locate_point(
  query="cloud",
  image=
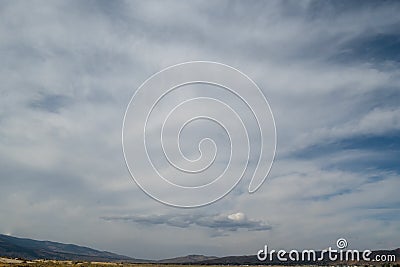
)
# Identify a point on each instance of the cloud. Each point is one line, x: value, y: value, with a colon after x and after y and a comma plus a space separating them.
x: 222, y: 223
x: 51, y: 102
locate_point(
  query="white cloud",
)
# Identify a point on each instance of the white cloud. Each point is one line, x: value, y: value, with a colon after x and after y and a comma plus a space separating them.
x: 239, y: 216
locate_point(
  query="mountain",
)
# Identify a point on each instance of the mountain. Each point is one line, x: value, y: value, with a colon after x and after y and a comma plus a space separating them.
x: 30, y: 249
x: 188, y: 259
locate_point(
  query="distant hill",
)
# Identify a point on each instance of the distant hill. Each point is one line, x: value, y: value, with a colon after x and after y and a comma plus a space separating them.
x: 30, y: 249
x: 189, y: 259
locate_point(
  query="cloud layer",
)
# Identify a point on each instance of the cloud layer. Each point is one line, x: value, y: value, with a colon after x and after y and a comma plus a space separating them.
x: 330, y: 71
x: 220, y: 223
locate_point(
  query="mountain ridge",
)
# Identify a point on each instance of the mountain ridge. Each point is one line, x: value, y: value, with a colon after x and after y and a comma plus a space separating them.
x: 30, y: 249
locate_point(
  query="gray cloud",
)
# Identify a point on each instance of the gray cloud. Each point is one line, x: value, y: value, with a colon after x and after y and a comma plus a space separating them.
x: 51, y: 102
x: 232, y: 222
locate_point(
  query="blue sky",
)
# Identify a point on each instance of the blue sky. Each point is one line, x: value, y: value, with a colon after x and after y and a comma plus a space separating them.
x: 330, y: 72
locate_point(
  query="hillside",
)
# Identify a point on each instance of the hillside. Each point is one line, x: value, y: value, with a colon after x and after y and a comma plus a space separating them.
x: 30, y: 249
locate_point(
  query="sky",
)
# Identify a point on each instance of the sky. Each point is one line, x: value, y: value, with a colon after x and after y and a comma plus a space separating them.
x: 329, y: 70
